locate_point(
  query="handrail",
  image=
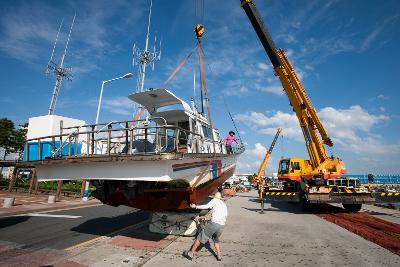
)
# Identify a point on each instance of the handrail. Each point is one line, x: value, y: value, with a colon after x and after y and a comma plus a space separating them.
x: 116, y: 130
x: 152, y: 139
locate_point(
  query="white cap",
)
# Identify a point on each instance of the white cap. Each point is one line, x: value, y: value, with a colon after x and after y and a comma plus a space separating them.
x: 218, y: 195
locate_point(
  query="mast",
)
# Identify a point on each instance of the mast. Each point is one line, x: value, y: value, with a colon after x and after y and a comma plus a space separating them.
x: 145, y: 57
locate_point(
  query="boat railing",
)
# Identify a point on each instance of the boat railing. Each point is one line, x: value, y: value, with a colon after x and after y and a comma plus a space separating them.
x: 115, y: 138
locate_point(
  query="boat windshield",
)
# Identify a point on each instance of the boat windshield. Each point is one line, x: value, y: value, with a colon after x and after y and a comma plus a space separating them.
x: 284, y: 167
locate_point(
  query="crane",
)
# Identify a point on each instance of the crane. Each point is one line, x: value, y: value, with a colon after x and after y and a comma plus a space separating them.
x: 318, y: 179
x: 266, y: 158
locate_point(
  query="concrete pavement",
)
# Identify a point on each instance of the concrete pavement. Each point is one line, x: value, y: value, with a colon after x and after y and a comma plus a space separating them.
x: 283, y: 236
x: 27, y: 203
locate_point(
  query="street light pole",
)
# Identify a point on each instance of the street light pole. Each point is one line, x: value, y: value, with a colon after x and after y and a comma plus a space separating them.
x: 126, y: 76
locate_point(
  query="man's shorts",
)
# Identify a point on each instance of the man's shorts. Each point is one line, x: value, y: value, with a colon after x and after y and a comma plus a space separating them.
x: 210, y: 230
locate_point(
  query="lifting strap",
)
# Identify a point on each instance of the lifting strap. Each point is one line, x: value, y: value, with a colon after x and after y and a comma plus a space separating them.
x: 179, y: 67
x: 137, y: 116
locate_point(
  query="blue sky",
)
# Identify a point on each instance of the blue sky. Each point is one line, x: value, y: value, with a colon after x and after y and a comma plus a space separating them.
x: 346, y: 53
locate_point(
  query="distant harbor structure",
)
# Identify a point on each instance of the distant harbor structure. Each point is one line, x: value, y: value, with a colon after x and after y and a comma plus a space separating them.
x: 377, y: 178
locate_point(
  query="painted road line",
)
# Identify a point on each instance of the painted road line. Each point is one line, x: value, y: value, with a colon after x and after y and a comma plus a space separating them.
x: 52, y: 215
x: 94, y: 240
x: 54, y: 210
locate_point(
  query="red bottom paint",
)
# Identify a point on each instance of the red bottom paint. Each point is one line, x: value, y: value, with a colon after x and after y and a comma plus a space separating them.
x: 170, y: 199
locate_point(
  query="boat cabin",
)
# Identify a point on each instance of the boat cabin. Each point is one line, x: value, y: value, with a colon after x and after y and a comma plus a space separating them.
x: 192, y: 128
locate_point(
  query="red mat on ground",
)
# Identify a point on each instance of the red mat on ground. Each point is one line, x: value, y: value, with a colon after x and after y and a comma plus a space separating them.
x: 381, y: 232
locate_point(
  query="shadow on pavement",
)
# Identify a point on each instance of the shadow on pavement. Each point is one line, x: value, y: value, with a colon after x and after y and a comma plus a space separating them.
x: 10, y: 221
x: 143, y: 233
x: 294, y: 207
x: 107, y: 226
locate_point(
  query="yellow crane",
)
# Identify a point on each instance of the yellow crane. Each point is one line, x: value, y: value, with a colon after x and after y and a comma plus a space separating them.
x: 318, y: 179
x: 266, y: 158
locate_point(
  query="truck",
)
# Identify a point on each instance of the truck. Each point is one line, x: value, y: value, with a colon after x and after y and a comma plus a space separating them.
x: 318, y: 179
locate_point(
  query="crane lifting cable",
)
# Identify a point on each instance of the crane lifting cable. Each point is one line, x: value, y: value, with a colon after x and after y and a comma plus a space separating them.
x: 199, y: 31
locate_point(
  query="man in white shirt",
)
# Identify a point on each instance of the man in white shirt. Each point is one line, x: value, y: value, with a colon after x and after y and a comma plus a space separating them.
x: 213, y: 230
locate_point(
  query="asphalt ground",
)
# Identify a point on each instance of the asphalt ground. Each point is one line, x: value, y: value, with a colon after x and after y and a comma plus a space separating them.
x: 72, y: 227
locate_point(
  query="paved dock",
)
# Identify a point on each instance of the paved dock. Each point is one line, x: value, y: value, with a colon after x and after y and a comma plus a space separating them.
x: 282, y: 236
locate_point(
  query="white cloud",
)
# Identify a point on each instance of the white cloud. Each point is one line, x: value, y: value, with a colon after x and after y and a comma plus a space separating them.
x: 351, y: 129
x: 269, y: 124
x: 347, y: 123
x: 383, y: 97
x: 263, y: 66
x: 273, y: 89
x: 119, y: 105
x: 241, y: 90
x: 372, y: 36
x: 250, y: 160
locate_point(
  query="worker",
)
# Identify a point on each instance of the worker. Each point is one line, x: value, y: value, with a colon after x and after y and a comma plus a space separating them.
x: 261, y: 189
x: 229, y: 139
x: 213, y: 229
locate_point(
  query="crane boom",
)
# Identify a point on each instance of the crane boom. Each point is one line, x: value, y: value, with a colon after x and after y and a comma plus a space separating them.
x: 319, y: 179
x: 267, y: 156
x: 314, y: 132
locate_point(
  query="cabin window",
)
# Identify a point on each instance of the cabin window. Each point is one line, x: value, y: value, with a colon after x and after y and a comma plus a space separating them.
x: 184, y: 124
x: 206, y: 132
x: 295, y: 166
x: 284, y: 167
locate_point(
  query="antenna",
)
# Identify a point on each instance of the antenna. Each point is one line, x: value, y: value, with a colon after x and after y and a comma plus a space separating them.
x: 54, y: 47
x: 142, y: 58
x: 58, y: 69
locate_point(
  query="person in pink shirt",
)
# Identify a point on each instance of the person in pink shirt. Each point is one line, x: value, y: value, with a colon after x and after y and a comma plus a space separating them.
x: 229, y: 139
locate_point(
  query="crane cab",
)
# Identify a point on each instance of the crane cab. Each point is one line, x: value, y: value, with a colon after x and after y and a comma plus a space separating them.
x: 291, y: 169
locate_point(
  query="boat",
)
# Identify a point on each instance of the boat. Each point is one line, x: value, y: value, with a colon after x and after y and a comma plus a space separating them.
x: 168, y: 156
x: 165, y: 161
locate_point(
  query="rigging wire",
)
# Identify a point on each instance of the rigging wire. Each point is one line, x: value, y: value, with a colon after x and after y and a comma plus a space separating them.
x: 223, y: 97
x: 233, y: 121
